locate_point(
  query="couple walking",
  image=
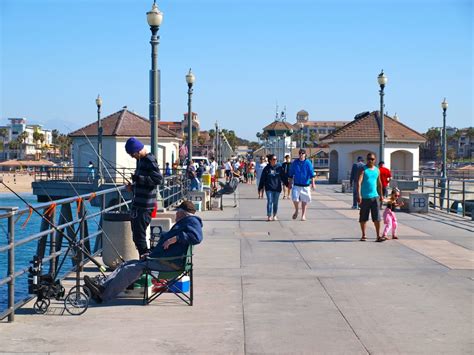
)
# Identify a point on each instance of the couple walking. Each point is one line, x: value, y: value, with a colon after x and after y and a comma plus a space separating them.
x: 299, y: 179
x: 370, y: 194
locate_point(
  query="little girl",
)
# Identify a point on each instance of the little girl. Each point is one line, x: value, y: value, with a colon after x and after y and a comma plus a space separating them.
x: 389, y: 218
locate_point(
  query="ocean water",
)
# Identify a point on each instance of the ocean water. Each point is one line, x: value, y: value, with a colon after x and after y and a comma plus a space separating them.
x: 24, y: 253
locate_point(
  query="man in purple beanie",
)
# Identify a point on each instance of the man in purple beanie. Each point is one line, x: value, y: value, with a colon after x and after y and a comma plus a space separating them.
x: 145, y: 179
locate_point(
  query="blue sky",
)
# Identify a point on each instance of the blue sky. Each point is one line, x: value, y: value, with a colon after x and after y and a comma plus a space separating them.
x: 321, y: 56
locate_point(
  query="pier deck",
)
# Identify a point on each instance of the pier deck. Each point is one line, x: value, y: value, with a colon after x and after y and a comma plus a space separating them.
x: 289, y: 287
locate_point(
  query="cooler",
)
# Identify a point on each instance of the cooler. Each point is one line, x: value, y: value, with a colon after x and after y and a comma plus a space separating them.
x: 182, y: 286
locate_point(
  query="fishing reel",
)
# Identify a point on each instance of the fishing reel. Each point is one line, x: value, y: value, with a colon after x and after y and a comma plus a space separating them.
x: 43, y: 286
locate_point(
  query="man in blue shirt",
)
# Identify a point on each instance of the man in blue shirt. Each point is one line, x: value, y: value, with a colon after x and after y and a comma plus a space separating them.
x: 369, y: 195
x: 300, y: 178
x: 174, y: 243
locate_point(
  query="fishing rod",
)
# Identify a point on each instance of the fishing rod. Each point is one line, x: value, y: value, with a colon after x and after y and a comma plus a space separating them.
x: 107, y: 170
x: 79, y: 228
x: 58, y: 268
x: 72, y: 242
x: 104, y: 233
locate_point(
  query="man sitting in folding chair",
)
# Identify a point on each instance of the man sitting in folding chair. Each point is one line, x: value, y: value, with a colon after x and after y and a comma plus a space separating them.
x: 185, y: 232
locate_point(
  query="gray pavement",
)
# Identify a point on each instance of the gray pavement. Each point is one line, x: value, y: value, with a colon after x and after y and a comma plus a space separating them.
x: 290, y: 287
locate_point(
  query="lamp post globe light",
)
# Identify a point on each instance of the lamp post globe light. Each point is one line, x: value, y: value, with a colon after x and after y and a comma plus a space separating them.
x: 98, y: 102
x: 154, y: 18
x: 382, y: 80
x: 190, y: 78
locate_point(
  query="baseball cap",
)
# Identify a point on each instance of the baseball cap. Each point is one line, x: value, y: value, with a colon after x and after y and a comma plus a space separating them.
x: 187, y: 206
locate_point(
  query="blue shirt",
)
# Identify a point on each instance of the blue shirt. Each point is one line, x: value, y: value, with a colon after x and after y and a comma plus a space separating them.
x: 302, y: 172
x: 368, y: 188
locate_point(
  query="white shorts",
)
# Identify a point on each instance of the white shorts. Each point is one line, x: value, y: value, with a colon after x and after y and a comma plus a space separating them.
x: 301, y: 193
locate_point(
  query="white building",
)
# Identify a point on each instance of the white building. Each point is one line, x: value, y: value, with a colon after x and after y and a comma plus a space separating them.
x: 314, y: 131
x: 116, y: 129
x: 362, y: 136
x: 30, y: 148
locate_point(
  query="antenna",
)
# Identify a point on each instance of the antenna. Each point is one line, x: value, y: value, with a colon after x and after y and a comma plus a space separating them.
x: 283, y: 114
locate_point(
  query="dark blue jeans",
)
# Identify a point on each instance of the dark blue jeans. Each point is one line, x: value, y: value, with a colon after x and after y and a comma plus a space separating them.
x: 272, y: 202
x: 140, y: 220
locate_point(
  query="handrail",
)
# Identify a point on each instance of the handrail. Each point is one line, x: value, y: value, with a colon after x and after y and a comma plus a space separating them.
x: 172, y: 191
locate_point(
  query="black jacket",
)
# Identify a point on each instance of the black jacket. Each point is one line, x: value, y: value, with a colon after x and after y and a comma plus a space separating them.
x: 147, y: 176
x: 272, y: 178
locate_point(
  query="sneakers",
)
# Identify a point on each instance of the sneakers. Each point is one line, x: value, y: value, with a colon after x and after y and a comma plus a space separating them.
x: 95, y: 288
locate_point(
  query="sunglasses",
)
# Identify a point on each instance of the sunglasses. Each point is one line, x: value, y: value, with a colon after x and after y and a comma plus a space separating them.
x: 371, y: 159
x: 301, y: 153
x: 274, y: 159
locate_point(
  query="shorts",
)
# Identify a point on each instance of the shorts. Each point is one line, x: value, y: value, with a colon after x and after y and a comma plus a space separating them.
x: 250, y: 175
x: 227, y: 173
x: 372, y: 206
x: 385, y: 191
x: 301, y: 193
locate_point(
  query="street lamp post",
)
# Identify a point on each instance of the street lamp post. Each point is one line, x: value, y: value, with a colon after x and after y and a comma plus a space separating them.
x: 216, y: 143
x: 444, y: 106
x: 98, y: 102
x: 154, y: 18
x: 382, y: 80
x: 283, y: 147
x: 190, y: 80
x: 291, y: 142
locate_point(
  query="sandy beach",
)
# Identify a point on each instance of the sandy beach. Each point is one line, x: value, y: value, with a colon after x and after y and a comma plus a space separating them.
x: 19, y: 182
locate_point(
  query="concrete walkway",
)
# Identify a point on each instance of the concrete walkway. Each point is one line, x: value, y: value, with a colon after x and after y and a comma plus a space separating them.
x: 290, y: 287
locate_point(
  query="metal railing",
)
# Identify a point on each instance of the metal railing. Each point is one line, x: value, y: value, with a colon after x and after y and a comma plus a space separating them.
x: 452, y: 194
x: 172, y: 191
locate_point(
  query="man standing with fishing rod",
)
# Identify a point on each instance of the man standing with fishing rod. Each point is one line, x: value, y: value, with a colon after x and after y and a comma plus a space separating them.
x: 144, y: 181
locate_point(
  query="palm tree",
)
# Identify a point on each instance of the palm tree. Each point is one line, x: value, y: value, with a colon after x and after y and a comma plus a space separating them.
x: 470, y: 133
x: 36, y: 136
x: 3, y: 134
x: 433, y: 136
x: 314, y: 137
x: 13, y: 145
x: 22, y: 137
x: 64, y: 143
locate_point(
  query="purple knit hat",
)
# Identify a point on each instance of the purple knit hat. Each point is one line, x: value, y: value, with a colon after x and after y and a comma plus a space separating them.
x: 133, y: 145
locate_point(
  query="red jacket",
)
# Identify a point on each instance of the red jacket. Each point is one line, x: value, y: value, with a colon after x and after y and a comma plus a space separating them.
x: 385, y: 175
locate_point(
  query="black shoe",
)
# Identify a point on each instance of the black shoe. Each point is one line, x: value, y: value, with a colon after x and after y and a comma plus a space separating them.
x: 95, y: 289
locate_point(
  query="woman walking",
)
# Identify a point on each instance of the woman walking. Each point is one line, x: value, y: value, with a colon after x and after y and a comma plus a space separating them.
x: 271, y: 181
x: 286, y: 171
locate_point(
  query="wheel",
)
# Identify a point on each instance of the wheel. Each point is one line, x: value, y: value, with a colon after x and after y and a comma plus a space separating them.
x: 41, y: 306
x: 76, y: 302
x: 82, y: 288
